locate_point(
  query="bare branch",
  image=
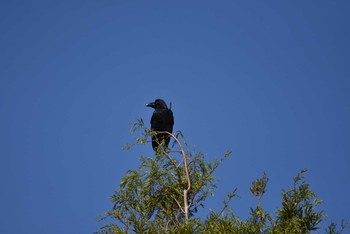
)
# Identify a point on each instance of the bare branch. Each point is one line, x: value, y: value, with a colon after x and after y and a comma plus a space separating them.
x: 185, y: 158
x: 178, y: 204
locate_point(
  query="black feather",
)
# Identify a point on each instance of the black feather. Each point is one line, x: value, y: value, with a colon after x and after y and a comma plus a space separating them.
x: 162, y: 120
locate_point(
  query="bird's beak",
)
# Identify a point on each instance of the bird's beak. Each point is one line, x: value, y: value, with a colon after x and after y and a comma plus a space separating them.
x: 151, y: 104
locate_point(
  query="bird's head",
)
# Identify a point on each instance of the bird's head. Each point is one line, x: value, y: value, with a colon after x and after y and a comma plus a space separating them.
x: 158, y: 104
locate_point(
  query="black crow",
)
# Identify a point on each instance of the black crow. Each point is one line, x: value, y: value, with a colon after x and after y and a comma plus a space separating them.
x: 162, y: 120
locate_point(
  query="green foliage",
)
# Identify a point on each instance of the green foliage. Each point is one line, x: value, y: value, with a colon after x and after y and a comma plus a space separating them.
x: 332, y: 228
x: 164, y: 194
x: 259, y: 187
x: 298, y: 210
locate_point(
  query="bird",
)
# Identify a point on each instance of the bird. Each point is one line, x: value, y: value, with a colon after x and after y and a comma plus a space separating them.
x: 162, y: 121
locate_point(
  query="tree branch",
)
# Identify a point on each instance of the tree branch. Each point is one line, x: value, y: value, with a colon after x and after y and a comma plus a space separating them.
x: 186, y: 191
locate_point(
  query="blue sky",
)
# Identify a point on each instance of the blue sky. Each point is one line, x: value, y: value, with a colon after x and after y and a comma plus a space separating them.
x: 267, y: 79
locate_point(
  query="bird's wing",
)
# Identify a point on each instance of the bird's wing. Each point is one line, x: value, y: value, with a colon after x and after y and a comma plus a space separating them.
x: 169, y: 121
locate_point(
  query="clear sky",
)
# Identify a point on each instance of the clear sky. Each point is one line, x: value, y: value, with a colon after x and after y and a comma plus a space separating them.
x: 269, y: 80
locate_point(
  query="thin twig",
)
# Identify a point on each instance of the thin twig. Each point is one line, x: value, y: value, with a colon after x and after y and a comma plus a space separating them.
x: 179, y: 205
